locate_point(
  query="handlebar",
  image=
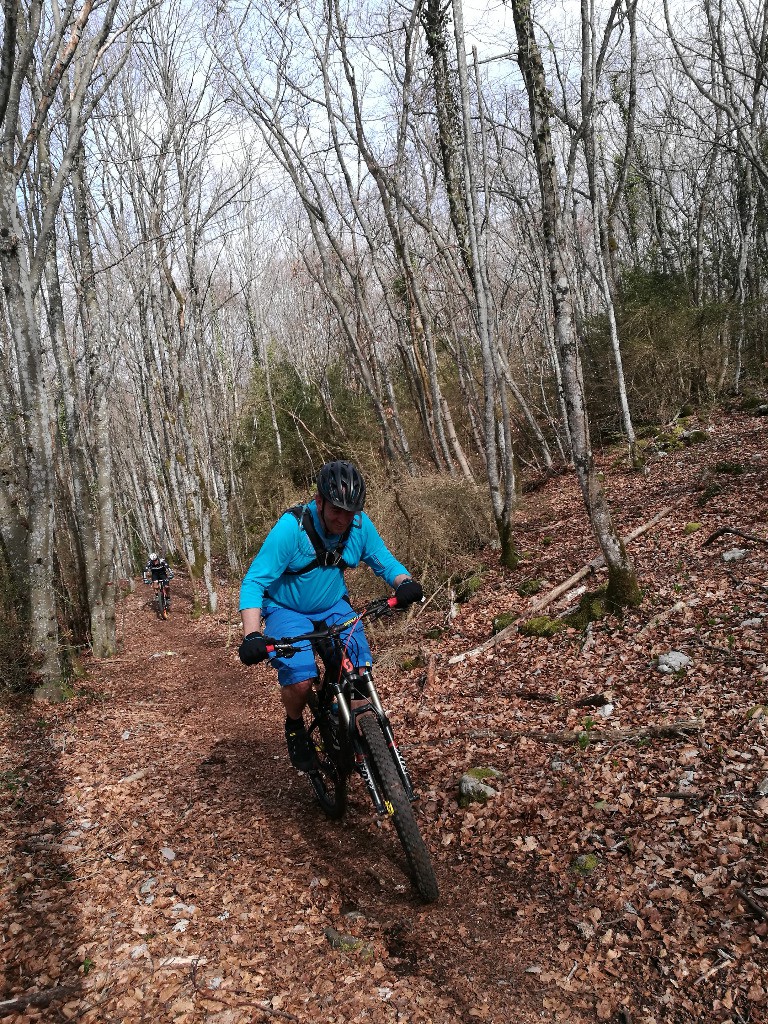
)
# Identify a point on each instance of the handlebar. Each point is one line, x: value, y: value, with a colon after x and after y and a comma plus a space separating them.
x: 286, y: 647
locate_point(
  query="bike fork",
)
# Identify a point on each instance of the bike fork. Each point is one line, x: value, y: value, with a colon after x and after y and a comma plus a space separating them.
x: 361, y: 763
x: 389, y: 736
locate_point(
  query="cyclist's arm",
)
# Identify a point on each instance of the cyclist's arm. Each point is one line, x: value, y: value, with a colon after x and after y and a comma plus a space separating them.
x: 377, y: 555
x: 268, y: 565
x: 251, y: 620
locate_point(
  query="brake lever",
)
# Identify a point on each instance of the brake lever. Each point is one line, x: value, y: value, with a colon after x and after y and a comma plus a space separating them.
x: 281, y: 650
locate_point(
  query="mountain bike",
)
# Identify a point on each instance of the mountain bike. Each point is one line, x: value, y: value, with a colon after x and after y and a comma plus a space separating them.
x: 351, y: 733
x: 162, y: 598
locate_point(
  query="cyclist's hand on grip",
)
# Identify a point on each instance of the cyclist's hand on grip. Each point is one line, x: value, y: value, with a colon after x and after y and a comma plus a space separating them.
x: 253, y: 649
x: 408, y: 592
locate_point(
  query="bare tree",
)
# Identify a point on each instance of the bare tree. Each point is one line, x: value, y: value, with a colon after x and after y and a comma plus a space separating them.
x: 39, y: 48
x: 622, y: 584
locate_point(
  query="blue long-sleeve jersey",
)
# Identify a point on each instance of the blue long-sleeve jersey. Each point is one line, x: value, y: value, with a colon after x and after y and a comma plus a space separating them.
x: 287, y: 547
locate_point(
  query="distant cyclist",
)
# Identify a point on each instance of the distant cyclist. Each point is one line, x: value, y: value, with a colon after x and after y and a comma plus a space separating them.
x: 159, y: 573
x: 298, y: 577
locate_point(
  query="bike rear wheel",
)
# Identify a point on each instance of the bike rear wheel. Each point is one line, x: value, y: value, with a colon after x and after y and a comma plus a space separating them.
x: 400, y: 809
x: 327, y: 779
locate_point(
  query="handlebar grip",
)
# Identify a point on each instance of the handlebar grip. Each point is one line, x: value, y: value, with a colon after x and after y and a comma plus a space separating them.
x: 392, y: 601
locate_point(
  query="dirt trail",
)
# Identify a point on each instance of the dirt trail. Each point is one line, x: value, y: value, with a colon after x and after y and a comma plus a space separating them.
x: 163, y: 861
x: 180, y: 805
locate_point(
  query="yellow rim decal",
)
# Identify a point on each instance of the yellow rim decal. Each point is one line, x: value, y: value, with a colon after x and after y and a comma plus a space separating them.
x: 390, y: 808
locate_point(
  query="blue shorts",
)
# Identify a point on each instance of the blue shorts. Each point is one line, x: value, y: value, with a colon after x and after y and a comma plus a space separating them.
x: 283, y: 622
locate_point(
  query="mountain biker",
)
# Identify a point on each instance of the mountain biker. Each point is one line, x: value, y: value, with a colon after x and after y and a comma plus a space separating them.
x: 158, y: 572
x: 297, y: 579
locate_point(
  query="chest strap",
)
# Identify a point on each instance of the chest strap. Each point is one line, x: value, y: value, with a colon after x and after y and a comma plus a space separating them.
x: 325, y: 558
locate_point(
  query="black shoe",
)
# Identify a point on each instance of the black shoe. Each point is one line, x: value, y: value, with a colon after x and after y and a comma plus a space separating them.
x: 299, y: 747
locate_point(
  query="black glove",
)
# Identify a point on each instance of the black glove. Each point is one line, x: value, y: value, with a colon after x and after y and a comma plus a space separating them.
x: 408, y: 592
x: 253, y: 649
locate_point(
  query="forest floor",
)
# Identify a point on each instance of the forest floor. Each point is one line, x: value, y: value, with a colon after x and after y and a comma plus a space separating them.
x: 163, y: 862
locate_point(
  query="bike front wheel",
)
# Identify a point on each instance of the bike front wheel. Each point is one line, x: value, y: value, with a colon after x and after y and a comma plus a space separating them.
x: 328, y: 779
x: 400, y: 809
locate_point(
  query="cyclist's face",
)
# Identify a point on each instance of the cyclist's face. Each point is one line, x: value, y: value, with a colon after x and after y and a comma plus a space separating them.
x: 336, y: 520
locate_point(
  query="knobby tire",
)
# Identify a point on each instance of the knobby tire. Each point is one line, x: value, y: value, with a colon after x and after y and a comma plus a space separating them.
x: 392, y: 790
x: 327, y: 780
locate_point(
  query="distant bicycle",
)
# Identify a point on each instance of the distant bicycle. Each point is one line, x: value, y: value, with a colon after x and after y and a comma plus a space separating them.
x: 351, y: 733
x: 162, y: 598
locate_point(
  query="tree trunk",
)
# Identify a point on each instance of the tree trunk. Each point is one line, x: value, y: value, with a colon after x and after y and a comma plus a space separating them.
x: 622, y: 583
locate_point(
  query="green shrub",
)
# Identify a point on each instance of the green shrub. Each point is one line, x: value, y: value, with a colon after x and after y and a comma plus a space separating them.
x: 671, y: 345
x: 434, y: 524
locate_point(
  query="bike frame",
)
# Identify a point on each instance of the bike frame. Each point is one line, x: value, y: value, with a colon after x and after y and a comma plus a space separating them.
x: 157, y: 587
x: 355, y: 695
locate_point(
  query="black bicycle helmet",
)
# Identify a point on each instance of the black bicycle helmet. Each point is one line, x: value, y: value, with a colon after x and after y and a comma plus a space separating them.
x: 342, y: 484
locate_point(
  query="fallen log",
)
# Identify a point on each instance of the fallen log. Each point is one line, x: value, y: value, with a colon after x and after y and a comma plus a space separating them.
x: 39, y: 1000
x: 739, y: 533
x: 566, y: 737
x: 679, y: 606
x: 753, y: 905
x: 540, y: 603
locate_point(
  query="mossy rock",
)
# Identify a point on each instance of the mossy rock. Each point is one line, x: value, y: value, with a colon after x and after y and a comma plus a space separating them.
x: 546, y: 541
x: 592, y: 607
x: 585, y: 863
x: 694, y: 437
x: 347, y: 943
x: 668, y: 442
x: 434, y: 634
x: 529, y: 587
x: 467, y: 586
x: 734, y: 468
x: 416, y: 661
x: 474, y: 788
x: 502, y: 621
x: 691, y: 527
x: 541, y: 625
x: 758, y: 711
x: 481, y: 774
x: 647, y: 432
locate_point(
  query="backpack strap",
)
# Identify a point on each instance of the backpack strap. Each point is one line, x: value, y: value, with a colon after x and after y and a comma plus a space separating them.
x: 325, y: 558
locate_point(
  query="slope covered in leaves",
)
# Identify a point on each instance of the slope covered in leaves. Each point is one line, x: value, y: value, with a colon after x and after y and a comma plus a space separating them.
x: 164, y: 862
